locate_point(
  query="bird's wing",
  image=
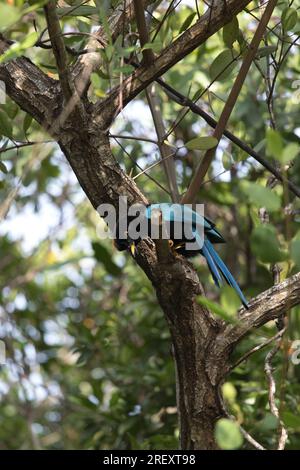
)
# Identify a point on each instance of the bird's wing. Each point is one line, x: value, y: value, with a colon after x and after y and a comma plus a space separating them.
x: 178, y: 213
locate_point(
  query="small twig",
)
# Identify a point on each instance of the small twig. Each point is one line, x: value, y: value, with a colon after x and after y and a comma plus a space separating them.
x: 140, y: 168
x: 192, y: 191
x: 159, y: 162
x: 131, y: 137
x: 257, y: 348
x: 24, y: 144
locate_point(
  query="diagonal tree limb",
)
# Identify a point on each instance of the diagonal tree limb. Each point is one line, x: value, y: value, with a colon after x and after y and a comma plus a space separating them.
x: 59, y: 50
x: 205, y: 27
x: 199, y: 176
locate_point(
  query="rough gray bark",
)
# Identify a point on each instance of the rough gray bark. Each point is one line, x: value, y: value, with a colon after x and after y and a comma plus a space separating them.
x: 202, y: 343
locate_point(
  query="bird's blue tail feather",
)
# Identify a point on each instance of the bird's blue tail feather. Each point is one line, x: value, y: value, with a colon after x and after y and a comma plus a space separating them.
x: 212, y: 267
x: 215, y: 263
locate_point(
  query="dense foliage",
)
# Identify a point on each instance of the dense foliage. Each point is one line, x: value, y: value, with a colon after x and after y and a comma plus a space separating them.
x: 88, y: 357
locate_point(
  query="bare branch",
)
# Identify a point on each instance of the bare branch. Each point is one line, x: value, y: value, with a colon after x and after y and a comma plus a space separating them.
x: 257, y: 348
x: 59, y: 49
x: 192, y: 191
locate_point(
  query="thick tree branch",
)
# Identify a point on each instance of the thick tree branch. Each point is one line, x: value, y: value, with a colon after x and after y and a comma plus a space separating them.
x: 267, y: 306
x: 213, y: 20
x: 30, y: 88
x: 198, y: 178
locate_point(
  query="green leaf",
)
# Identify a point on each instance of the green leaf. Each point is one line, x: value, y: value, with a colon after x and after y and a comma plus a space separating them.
x: 3, y: 167
x: 231, y: 32
x: 202, y: 143
x: 262, y: 196
x: 223, y: 65
x: 11, y: 109
x: 155, y: 46
x: 27, y: 122
x: 274, y: 143
x: 83, y: 10
x: 289, y: 18
x: 227, y: 161
x: 187, y: 22
x: 291, y: 420
x: 124, y: 69
x: 290, y: 152
x: 228, y: 434
x: 265, y: 244
x: 268, y: 423
x: 229, y: 392
x: 265, y: 51
x: 104, y: 256
x: 5, y: 125
x: 9, y: 16
x: 216, y: 308
x: 295, y: 252
x: 230, y: 301
x: 18, y: 48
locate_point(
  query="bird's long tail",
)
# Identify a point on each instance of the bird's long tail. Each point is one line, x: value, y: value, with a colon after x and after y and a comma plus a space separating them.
x: 217, y: 266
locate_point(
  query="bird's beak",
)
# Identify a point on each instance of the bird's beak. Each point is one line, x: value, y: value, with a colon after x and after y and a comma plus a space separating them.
x: 132, y: 249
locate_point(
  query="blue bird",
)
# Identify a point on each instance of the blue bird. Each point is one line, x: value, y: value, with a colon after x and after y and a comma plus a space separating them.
x: 189, y: 234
